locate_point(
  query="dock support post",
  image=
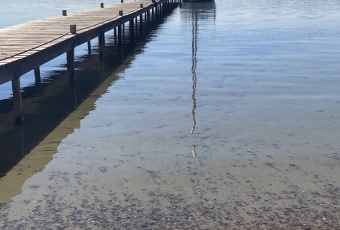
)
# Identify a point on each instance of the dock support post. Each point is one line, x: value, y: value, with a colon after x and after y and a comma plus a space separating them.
x: 70, y: 55
x: 70, y: 63
x: 153, y: 16
x: 89, y: 50
x: 101, y: 43
x: 37, y: 75
x: 141, y: 25
x: 132, y: 31
x: 148, y: 20
x: 120, y: 34
x: 141, y: 21
x: 115, y: 35
x: 17, y: 101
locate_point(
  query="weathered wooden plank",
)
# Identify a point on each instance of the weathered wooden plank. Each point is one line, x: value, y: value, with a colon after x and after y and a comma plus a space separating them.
x: 46, y: 39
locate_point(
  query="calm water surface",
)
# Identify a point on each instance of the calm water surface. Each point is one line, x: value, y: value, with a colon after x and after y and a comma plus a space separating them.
x: 17, y: 12
x: 226, y: 100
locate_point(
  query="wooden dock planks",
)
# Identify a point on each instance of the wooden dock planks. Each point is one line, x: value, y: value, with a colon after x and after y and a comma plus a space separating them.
x: 27, y: 46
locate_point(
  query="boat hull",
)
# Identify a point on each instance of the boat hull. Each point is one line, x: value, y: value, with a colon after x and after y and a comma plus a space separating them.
x: 197, y: 0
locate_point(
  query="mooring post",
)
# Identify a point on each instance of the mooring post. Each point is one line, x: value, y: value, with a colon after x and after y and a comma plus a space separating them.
x: 121, y: 1
x: 89, y: 49
x: 73, y: 29
x: 17, y: 101
x: 64, y: 12
x: 101, y: 5
x: 101, y: 44
x: 37, y: 75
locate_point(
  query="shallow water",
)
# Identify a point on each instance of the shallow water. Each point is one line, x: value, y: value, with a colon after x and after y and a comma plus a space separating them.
x: 228, y: 117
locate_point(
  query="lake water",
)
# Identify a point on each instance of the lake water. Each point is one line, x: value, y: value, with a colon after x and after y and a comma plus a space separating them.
x: 228, y: 116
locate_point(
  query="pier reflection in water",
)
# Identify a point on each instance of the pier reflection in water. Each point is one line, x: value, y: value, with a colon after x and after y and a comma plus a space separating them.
x: 49, y: 101
x: 193, y: 12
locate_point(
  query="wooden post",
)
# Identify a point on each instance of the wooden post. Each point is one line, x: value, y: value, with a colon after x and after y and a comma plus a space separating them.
x: 121, y: 28
x: 115, y: 35
x: 101, y: 44
x: 17, y: 101
x: 153, y: 16
x: 123, y: 32
x: 141, y: 25
x: 89, y: 47
x: 101, y: 5
x: 64, y: 12
x: 70, y: 55
x: 141, y: 21
x: 70, y: 63
x: 73, y: 29
x: 121, y: 1
x: 120, y: 34
x: 37, y: 75
x: 148, y: 19
x: 132, y: 31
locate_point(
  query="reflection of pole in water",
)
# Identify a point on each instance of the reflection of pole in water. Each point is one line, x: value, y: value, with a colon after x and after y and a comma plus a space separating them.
x: 193, y: 151
x: 193, y: 68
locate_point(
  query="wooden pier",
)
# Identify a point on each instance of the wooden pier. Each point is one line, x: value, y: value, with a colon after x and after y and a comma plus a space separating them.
x: 27, y: 46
